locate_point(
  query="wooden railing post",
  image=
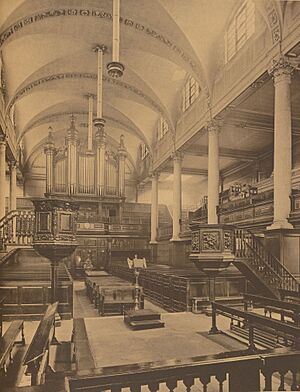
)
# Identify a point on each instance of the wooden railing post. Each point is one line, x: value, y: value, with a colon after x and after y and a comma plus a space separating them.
x: 213, y: 330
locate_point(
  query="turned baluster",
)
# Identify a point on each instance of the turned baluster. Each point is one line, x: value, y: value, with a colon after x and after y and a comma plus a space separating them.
x: 205, y: 380
x: 153, y: 386
x: 171, y: 384
x: 251, y: 345
x: 188, y: 382
x: 221, y: 378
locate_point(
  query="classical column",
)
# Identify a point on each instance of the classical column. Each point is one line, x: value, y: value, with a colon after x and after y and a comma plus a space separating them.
x: 49, y: 151
x: 72, y: 142
x: 2, y: 175
x: 154, y: 207
x: 100, y: 160
x: 213, y: 171
x: 122, y: 156
x: 281, y: 71
x: 177, y: 160
x: 12, y: 185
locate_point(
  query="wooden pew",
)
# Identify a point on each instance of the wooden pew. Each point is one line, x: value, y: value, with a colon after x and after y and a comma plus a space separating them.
x: 37, y: 355
x: 8, y: 341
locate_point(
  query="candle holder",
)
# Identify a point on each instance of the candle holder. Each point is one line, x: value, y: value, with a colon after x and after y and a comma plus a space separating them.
x: 115, y: 69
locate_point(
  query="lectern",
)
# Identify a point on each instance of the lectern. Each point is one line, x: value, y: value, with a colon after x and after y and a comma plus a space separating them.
x: 140, y: 318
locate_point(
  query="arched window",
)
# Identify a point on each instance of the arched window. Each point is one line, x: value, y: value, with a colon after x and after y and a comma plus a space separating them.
x: 241, y: 27
x: 190, y: 92
x: 163, y: 128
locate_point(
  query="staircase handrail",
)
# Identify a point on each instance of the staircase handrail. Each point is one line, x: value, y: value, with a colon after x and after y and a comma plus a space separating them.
x: 265, y: 265
x: 13, y: 213
x: 288, y: 280
x: 16, y: 228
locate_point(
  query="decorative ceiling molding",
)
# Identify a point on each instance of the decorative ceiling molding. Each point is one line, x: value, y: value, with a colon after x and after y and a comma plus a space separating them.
x: 273, y: 20
x: 100, y: 14
x: 53, y: 117
x: 83, y: 75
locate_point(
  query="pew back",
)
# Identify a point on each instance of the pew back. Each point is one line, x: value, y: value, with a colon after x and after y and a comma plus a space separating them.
x: 36, y: 358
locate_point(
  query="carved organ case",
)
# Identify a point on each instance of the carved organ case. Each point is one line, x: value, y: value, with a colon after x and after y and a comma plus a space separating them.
x: 90, y: 175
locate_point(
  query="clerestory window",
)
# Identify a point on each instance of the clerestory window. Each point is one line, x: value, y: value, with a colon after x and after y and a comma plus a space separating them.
x: 240, y: 29
x: 190, y: 92
x: 163, y: 128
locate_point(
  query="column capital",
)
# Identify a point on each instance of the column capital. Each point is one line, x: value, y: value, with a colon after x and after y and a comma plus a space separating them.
x: 281, y: 69
x: 213, y: 125
x: 154, y: 174
x: 177, y: 156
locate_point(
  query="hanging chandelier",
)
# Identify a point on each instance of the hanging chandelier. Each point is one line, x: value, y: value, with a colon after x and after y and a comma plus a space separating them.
x: 115, y: 68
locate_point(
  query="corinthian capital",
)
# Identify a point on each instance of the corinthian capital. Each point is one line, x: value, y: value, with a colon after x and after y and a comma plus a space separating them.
x: 213, y: 125
x: 281, y: 68
x: 177, y: 156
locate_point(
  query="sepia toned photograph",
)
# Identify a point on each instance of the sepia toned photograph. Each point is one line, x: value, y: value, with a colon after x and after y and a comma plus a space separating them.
x: 149, y: 195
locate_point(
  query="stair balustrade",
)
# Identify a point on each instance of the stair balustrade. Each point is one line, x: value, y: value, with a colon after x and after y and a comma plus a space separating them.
x: 249, y: 249
x: 16, y: 228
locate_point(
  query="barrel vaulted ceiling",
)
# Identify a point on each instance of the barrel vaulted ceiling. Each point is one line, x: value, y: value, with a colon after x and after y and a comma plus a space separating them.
x: 50, y: 66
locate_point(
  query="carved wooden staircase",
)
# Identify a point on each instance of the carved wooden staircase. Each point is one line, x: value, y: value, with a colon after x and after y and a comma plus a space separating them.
x: 260, y: 267
x: 16, y: 232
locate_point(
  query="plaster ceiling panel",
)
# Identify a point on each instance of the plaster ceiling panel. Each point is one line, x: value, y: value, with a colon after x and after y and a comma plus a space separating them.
x: 204, y: 26
x: 245, y: 139
x: 36, y: 102
x: 22, y: 57
x: 191, y: 161
x: 165, y: 78
x: 143, y: 117
x: 261, y: 101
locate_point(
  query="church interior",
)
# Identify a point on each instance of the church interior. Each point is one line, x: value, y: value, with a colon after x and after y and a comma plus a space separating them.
x: 149, y: 195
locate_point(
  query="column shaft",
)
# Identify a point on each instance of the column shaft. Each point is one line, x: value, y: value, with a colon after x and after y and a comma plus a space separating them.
x: 213, y: 173
x: 2, y: 177
x: 282, y: 145
x: 13, y: 186
x: 154, y: 208
x: 176, y: 196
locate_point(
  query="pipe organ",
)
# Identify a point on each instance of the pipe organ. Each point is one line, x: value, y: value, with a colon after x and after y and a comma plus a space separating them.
x: 77, y: 169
